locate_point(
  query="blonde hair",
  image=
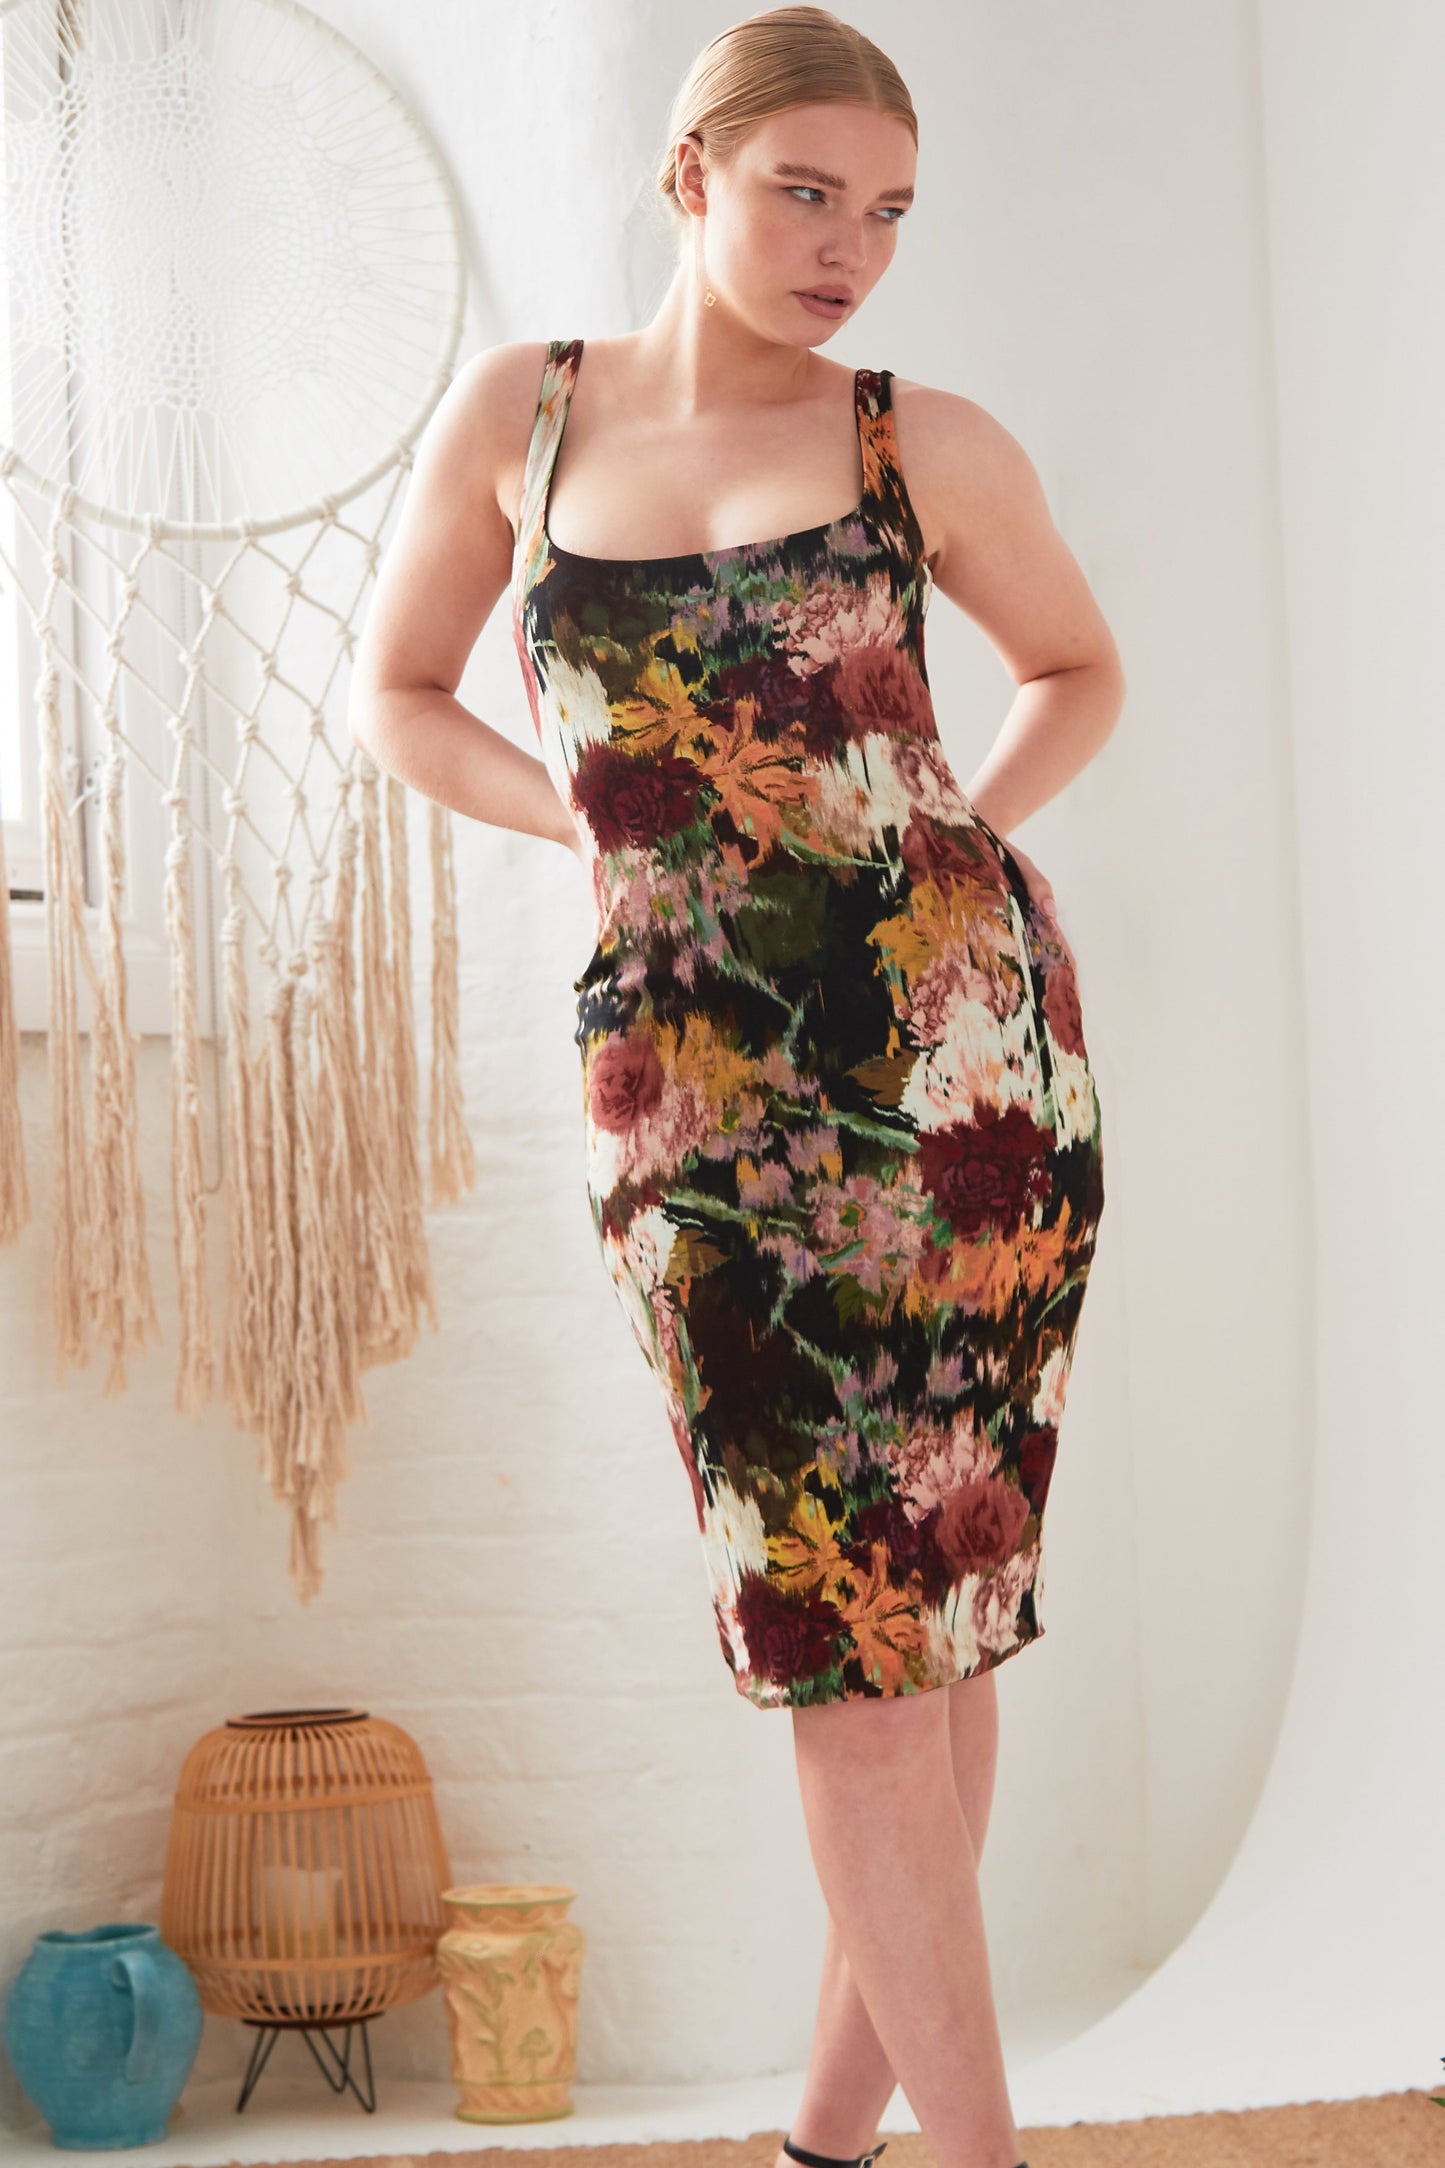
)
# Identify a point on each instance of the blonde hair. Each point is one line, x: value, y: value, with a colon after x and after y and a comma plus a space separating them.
x: 767, y: 63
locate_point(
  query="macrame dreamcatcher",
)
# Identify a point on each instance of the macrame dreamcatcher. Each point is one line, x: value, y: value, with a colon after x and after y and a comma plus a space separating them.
x: 235, y: 290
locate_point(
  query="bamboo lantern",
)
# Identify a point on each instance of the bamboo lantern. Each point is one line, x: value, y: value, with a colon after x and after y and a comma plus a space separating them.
x: 305, y: 1867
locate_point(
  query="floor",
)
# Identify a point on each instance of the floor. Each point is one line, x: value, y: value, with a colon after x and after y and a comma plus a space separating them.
x: 1165, y: 2049
x: 292, y: 2116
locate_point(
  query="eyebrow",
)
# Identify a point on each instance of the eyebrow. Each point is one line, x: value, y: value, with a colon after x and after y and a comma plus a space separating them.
x: 835, y: 180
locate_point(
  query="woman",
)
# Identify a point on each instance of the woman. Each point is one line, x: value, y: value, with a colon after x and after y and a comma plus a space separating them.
x: 842, y: 1137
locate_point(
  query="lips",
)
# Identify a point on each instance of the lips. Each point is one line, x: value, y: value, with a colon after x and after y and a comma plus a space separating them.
x: 827, y: 293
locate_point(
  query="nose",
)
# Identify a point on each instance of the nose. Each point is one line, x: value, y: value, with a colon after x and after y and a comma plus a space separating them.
x: 847, y: 250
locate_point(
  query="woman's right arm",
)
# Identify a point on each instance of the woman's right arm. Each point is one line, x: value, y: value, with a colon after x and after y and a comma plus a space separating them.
x: 440, y: 579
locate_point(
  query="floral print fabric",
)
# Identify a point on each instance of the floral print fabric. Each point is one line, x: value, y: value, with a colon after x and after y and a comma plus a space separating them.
x: 842, y: 1135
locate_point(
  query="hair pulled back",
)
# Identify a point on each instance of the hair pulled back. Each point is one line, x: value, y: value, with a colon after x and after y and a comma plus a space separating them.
x: 765, y: 64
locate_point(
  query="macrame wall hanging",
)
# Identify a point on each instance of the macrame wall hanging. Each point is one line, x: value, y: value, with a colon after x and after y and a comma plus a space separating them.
x: 234, y: 287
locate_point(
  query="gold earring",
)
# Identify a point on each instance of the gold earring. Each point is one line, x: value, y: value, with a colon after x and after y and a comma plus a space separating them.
x: 708, y: 298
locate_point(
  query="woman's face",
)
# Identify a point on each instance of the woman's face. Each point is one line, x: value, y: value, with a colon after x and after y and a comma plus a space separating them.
x: 808, y: 203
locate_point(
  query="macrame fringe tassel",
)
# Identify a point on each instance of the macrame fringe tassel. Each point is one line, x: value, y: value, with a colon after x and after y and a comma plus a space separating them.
x: 122, y: 1300
x: 272, y: 1332
x: 70, y: 1208
x: 15, y: 1208
x: 320, y: 1451
x: 319, y: 1141
x: 345, y: 1161
x: 99, y: 1273
x: 388, y: 1328
x: 453, y: 1161
x: 244, y: 1347
x: 327, y: 1259
x: 279, y: 1397
x: 196, y: 1367
x: 418, y: 1281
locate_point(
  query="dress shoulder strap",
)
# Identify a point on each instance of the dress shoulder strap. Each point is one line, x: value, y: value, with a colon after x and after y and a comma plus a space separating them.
x: 559, y: 373
x: 884, y: 489
x: 529, y: 554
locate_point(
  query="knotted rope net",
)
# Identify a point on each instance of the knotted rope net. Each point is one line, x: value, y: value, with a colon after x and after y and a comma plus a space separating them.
x: 235, y: 293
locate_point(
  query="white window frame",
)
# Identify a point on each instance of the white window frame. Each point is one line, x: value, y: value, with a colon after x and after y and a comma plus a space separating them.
x: 80, y: 624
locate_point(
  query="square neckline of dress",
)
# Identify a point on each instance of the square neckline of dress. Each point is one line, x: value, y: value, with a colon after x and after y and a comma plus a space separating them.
x: 732, y: 549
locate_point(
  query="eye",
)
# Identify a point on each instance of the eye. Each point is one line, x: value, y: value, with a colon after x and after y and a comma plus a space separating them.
x: 892, y: 212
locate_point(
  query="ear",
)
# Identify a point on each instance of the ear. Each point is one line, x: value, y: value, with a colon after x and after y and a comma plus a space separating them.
x: 689, y: 177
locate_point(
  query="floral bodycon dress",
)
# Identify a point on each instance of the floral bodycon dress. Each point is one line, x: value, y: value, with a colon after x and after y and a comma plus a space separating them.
x: 842, y: 1138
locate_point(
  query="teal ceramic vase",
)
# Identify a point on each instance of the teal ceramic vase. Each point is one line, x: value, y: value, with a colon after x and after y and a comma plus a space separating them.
x: 103, y: 2028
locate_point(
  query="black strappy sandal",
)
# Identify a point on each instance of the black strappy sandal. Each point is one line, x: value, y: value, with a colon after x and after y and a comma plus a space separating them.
x: 827, y: 2160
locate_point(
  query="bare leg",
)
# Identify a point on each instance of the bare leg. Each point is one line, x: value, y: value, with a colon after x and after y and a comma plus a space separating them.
x: 884, y: 1784
x: 850, y: 2080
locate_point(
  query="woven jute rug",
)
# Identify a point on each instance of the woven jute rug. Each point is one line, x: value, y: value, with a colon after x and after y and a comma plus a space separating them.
x: 1391, y: 2130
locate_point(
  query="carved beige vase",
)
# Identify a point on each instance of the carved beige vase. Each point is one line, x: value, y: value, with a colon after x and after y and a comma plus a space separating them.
x: 510, y: 1965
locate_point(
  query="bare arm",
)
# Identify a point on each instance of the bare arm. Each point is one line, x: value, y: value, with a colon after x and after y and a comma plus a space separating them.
x: 993, y: 549
x: 450, y: 560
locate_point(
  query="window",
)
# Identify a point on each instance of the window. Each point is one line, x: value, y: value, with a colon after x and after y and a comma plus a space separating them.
x: 44, y: 412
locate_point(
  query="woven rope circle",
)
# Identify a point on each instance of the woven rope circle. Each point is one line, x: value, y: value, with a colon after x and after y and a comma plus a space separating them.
x: 234, y: 262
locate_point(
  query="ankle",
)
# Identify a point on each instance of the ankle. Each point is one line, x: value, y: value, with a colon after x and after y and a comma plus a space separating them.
x: 806, y: 2157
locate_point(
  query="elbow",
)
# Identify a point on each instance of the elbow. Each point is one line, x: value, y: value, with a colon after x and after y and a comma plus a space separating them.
x: 366, y: 694
x: 1118, y: 690
x: 362, y: 716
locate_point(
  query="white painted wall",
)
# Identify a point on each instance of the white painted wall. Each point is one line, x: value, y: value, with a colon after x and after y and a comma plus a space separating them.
x: 1315, y: 1973
x: 516, y: 1576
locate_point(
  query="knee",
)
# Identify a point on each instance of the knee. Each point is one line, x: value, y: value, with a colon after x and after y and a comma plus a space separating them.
x: 875, y: 1735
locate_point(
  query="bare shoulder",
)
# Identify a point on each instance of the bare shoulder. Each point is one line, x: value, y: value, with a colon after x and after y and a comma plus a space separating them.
x: 963, y: 469
x: 989, y: 535
x: 476, y: 438
x: 453, y: 552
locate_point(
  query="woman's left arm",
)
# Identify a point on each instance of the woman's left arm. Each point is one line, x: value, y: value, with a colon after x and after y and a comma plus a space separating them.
x: 993, y: 548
